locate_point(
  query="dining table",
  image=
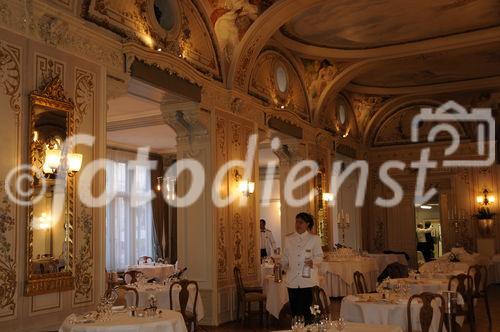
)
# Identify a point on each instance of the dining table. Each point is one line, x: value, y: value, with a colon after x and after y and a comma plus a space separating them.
x: 339, y: 274
x: 373, y: 309
x: 166, y: 321
x: 360, y: 327
x: 159, y: 271
x: 161, y: 292
x: 420, y: 285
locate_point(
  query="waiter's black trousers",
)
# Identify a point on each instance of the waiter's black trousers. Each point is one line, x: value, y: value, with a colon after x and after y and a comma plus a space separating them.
x: 300, y: 302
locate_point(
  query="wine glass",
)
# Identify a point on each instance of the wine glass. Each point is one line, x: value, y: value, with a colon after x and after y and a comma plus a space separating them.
x: 339, y: 324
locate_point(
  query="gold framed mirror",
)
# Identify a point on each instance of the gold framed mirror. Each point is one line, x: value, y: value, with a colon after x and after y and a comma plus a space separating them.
x: 49, y: 234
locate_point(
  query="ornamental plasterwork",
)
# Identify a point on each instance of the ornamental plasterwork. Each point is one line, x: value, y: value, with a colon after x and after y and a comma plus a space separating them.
x: 84, y: 95
x: 188, y: 39
x: 8, y: 280
x: 84, y: 264
x: 264, y: 85
x: 10, y: 76
x: 365, y: 107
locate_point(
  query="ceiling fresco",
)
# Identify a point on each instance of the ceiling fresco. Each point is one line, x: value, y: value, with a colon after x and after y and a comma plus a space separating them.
x: 434, y: 68
x: 361, y: 24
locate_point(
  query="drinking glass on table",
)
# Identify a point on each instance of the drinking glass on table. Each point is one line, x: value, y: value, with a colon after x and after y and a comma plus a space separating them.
x: 298, y: 323
x: 339, y: 324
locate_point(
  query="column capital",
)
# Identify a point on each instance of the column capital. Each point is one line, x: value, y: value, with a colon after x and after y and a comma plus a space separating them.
x: 185, y: 118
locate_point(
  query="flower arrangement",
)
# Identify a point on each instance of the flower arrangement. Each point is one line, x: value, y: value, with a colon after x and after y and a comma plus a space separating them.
x: 453, y: 257
x: 316, y: 312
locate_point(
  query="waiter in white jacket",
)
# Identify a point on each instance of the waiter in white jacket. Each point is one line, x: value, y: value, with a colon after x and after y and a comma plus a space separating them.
x: 301, y: 258
x: 267, y: 243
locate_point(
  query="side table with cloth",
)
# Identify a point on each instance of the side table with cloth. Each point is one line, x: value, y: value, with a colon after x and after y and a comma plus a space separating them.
x: 385, y: 259
x: 168, y: 321
x: 371, y: 309
x: 156, y: 270
x: 359, y: 327
x: 277, y: 294
x: 161, y: 292
x: 339, y: 274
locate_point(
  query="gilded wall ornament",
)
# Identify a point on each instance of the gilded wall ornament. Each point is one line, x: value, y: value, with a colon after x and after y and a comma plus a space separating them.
x: 84, y: 263
x: 8, y: 280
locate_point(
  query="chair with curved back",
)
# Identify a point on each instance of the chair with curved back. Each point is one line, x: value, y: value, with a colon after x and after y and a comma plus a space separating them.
x: 144, y: 260
x: 320, y: 299
x: 246, y: 296
x: 360, y: 283
x: 132, y: 276
x: 479, y: 275
x: 190, y: 317
x: 119, y: 294
x: 426, y: 312
x: 463, y: 285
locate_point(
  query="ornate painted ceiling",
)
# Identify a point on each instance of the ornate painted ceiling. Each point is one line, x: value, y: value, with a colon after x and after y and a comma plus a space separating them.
x: 362, y: 24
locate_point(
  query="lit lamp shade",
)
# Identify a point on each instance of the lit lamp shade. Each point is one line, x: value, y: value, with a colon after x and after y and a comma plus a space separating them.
x: 327, y: 197
x: 52, y: 160
x: 247, y: 187
x: 491, y: 199
x: 74, y: 162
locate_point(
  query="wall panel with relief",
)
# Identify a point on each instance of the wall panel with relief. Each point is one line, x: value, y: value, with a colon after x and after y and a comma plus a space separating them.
x: 49, y: 233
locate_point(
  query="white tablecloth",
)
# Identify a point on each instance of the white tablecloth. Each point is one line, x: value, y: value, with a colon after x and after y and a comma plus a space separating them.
x: 385, y: 313
x: 385, y: 259
x: 423, y: 285
x: 441, y: 266
x: 277, y: 295
x: 359, y: 327
x: 160, y: 271
x: 170, y: 321
x: 339, y: 275
x: 162, y: 295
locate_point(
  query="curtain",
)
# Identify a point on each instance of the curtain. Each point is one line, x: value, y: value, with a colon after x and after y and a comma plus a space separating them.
x: 158, y: 207
x: 129, y: 217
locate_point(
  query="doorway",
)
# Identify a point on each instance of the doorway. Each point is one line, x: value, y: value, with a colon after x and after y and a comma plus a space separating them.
x: 428, y: 229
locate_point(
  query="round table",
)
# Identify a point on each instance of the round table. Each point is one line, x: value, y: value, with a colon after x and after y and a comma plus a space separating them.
x: 169, y: 321
x: 161, y: 292
x: 339, y: 274
x: 443, y: 266
x: 154, y: 270
x: 359, y: 327
x: 417, y: 286
x: 369, y: 309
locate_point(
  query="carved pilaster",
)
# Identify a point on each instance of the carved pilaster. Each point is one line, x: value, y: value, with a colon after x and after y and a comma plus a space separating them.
x: 187, y: 120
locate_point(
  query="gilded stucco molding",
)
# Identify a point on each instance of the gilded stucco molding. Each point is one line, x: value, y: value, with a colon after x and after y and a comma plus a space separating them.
x: 84, y: 264
x: 8, y: 277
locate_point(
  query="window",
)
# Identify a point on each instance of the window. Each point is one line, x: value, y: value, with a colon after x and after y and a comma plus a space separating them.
x: 281, y: 79
x: 129, y: 216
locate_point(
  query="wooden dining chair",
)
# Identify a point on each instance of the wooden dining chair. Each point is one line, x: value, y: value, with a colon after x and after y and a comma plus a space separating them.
x: 190, y: 317
x: 360, y: 283
x: 246, y: 296
x: 320, y: 299
x: 479, y: 275
x: 132, y: 276
x: 463, y: 285
x: 118, y: 293
x: 426, y: 312
x: 144, y: 260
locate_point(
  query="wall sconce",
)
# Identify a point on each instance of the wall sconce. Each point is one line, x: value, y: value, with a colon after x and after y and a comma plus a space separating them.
x: 53, y: 157
x: 246, y: 187
x: 327, y: 197
x: 485, y: 199
x: 44, y: 221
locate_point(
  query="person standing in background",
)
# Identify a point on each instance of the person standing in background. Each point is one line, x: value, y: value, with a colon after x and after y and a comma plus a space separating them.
x: 267, y: 243
x: 301, y: 256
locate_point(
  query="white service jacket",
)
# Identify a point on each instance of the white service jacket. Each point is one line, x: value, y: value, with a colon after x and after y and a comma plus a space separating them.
x: 294, y: 256
x: 267, y: 242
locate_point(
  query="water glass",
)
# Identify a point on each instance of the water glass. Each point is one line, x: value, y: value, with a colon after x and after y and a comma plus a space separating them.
x: 339, y: 324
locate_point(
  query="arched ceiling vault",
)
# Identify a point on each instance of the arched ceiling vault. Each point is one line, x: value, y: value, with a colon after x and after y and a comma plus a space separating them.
x: 386, y: 48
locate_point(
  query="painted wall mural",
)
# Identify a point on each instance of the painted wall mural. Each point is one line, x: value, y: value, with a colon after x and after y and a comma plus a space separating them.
x: 317, y: 75
x: 232, y: 18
